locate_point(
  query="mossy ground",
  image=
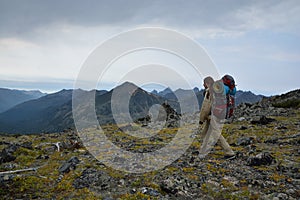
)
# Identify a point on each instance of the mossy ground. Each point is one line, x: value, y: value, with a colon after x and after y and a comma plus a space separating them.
x: 43, y: 183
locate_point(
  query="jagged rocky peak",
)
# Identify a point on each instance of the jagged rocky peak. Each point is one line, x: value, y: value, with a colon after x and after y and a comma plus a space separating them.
x: 154, y: 92
x: 127, y: 87
x: 166, y: 91
x: 127, y: 84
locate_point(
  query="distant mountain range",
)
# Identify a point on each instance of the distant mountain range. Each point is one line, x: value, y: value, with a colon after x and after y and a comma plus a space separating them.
x: 53, y: 112
x: 39, y: 115
x: 10, y: 98
x: 240, y: 97
x: 246, y: 97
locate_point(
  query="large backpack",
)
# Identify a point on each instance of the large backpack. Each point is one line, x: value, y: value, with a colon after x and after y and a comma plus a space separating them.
x: 230, y: 94
x: 224, y: 92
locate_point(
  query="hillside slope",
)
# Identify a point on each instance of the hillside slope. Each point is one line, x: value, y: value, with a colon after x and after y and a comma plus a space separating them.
x: 38, y: 116
x: 53, y: 113
x: 9, y: 98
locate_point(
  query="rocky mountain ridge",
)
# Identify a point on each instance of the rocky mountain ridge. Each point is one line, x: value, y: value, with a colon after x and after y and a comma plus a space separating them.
x: 53, y: 112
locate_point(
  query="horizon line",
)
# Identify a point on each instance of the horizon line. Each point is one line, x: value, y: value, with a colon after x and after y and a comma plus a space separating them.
x: 51, y: 91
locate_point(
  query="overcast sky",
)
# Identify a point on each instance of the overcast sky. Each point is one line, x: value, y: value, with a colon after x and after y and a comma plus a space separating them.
x: 43, y: 44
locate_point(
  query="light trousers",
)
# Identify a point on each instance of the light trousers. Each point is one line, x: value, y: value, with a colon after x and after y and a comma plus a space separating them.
x: 211, y: 134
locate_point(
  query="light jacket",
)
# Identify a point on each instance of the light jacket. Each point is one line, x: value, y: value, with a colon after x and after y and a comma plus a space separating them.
x: 206, y: 106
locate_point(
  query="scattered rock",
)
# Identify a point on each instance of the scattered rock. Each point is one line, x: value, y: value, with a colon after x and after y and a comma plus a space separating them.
x: 6, y: 154
x: 290, y: 139
x: 133, y: 191
x: 69, y: 165
x: 70, y: 144
x: 127, y: 127
x: 119, y: 159
x: 50, y: 149
x: 282, y: 196
x: 247, y: 111
x: 281, y: 127
x: 150, y: 192
x: 42, y: 157
x: 172, y: 117
x: 243, y: 128
x: 9, y: 166
x: 244, y: 141
x: 93, y: 178
x: 260, y: 159
x: 276, y: 196
x: 169, y: 186
x: 272, y: 140
x: 240, y: 119
x: 166, y: 113
x: 232, y: 180
x: 108, y: 198
x: 214, y: 183
x: 6, y: 178
x: 290, y: 191
x: 4, y: 143
x: 27, y: 145
x: 144, y: 121
x: 263, y: 120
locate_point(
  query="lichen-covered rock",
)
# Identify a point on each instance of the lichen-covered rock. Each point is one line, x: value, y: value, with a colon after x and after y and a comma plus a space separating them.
x: 263, y: 120
x: 260, y: 159
x: 93, y: 178
x: 244, y: 141
x: 6, y: 154
x: 150, y: 192
x: 69, y: 165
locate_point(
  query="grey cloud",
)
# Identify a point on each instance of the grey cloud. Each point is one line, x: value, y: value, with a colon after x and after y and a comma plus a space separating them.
x: 21, y: 17
x: 18, y: 17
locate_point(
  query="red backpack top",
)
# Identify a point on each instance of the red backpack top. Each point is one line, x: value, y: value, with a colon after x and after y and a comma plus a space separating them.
x: 229, y: 81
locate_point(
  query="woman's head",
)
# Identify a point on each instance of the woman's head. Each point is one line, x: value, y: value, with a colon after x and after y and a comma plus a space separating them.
x: 208, y: 82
